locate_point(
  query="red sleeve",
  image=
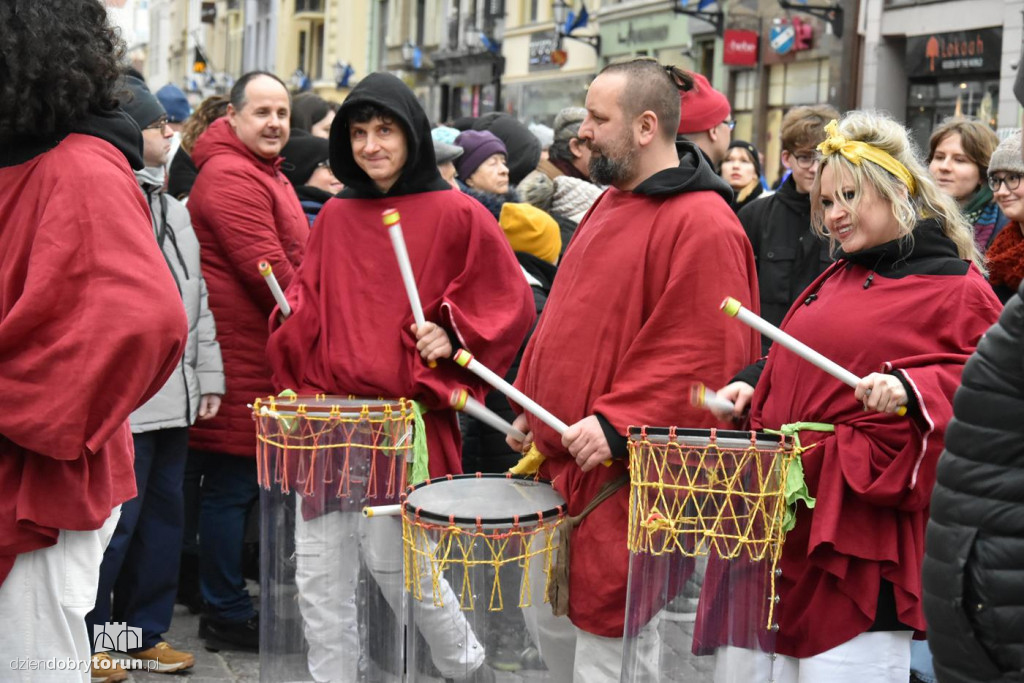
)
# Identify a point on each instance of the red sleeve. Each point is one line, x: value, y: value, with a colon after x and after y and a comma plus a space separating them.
x: 488, y: 305
x: 243, y: 223
x: 91, y: 323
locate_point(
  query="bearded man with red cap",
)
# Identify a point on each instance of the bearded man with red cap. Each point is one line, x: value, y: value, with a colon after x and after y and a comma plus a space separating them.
x: 706, y: 120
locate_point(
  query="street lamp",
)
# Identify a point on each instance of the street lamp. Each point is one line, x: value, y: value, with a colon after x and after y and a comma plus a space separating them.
x: 560, y: 12
x: 408, y: 51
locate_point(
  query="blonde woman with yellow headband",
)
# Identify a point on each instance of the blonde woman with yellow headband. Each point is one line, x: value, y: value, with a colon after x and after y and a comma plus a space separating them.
x: 903, y: 307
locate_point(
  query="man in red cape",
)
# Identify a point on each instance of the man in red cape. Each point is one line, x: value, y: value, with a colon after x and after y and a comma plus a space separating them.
x: 352, y: 331
x: 91, y: 323
x: 632, y: 321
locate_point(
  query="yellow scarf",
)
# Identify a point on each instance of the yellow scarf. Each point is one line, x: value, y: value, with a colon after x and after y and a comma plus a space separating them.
x: 856, y: 151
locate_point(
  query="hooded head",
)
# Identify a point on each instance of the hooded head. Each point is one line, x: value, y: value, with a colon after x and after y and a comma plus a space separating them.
x: 302, y: 155
x: 385, y: 96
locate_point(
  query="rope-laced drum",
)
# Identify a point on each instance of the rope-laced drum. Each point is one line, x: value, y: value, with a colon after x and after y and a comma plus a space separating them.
x: 708, y: 513
x: 331, y: 592
x: 462, y: 533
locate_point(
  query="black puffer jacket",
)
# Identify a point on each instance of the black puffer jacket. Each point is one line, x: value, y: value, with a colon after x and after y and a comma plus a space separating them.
x: 974, y: 558
x: 789, y: 254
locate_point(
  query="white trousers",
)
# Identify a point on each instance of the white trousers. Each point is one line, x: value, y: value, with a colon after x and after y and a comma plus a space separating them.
x: 327, y: 574
x: 555, y: 636
x: 878, y: 657
x: 597, y: 658
x: 44, y: 601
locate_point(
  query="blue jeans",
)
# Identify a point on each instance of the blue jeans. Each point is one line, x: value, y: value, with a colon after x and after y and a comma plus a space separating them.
x: 229, y: 490
x: 140, y: 565
x: 921, y: 660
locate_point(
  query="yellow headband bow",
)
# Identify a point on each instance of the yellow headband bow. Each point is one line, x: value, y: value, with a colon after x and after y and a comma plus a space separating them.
x: 856, y: 151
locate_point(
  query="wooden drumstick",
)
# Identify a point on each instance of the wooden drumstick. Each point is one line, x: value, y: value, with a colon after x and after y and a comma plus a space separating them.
x: 393, y: 223
x: 462, y: 401
x: 735, y: 309
x: 268, y: 274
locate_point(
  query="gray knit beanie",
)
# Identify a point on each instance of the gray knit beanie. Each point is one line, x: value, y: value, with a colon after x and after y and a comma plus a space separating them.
x: 567, y: 123
x: 1007, y: 155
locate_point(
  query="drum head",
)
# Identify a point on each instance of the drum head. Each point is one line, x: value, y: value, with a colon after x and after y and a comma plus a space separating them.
x: 724, y: 438
x: 489, y: 500
x: 322, y: 406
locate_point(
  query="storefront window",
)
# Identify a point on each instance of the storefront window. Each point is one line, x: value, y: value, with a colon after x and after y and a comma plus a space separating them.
x: 540, y: 102
x: 930, y: 103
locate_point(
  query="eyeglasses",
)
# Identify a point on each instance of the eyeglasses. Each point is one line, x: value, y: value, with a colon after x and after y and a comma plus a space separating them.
x: 804, y: 161
x: 731, y: 123
x: 158, y: 124
x: 1010, y: 180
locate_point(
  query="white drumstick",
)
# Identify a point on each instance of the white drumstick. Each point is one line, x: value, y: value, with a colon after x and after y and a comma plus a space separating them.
x: 461, y: 400
x: 702, y: 397
x: 382, y: 510
x: 393, y: 222
x: 466, y: 360
x: 268, y: 274
x: 735, y: 309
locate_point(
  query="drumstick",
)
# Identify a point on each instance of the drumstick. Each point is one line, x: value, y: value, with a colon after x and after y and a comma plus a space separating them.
x: 466, y: 360
x: 382, y: 510
x: 393, y: 222
x: 268, y: 274
x: 702, y: 397
x: 461, y: 400
x: 735, y: 309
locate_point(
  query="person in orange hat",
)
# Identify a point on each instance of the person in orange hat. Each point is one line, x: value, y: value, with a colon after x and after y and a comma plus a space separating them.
x: 705, y: 119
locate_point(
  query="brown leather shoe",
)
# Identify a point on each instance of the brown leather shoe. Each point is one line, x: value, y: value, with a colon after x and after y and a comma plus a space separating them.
x: 105, y: 669
x: 163, y: 659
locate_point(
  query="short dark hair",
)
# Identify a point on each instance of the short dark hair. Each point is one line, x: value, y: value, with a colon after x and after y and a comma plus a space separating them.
x: 652, y: 86
x: 60, y: 61
x: 368, y: 111
x: 237, y: 96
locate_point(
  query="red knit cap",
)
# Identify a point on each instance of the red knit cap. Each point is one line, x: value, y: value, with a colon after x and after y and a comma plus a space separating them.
x: 702, y: 108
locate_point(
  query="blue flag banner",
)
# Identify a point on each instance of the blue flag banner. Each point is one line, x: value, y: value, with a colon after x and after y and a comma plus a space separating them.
x: 575, y: 21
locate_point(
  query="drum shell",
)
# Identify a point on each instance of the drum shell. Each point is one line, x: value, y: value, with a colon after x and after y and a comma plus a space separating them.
x: 700, y: 594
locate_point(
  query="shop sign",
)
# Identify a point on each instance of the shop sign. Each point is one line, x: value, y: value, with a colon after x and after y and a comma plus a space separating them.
x: 208, y: 13
x: 955, y: 54
x: 651, y: 33
x: 783, y: 37
x: 541, y: 47
x: 740, y: 47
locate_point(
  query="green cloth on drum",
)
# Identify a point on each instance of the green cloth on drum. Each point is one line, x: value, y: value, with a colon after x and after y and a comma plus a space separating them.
x: 418, y: 469
x: 796, y: 485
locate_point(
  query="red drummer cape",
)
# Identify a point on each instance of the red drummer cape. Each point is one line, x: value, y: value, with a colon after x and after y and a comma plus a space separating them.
x: 631, y: 322
x: 873, y: 477
x: 91, y: 325
x: 349, y: 332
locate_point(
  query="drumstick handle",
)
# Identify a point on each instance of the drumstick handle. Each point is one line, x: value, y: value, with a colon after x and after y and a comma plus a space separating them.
x: 734, y: 308
x: 382, y: 511
x: 391, y: 220
x: 461, y: 400
x: 268, y: 274
x: 702, y: 397
x: 466, y: 360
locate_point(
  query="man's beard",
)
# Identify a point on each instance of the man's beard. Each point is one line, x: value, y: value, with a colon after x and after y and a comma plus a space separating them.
x: 615, y: 170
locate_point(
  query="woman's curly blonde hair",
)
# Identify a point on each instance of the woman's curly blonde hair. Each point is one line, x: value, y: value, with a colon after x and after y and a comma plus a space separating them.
x: 927, y: 201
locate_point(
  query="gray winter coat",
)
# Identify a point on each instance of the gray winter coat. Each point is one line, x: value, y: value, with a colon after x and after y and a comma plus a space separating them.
x: 201, y: 370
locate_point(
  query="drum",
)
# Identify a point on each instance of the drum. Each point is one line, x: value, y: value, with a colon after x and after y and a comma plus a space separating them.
x: 330, y: 584
x: 707, y: 516
x: 464, y: 538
